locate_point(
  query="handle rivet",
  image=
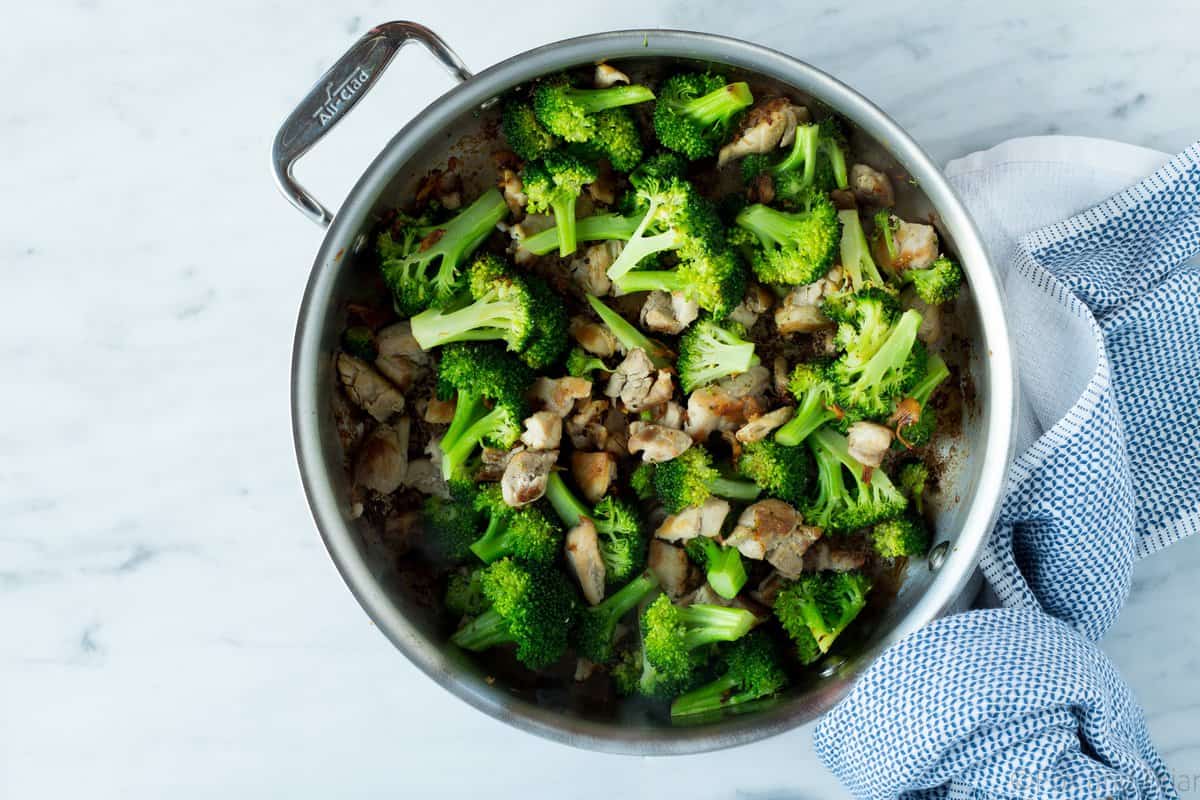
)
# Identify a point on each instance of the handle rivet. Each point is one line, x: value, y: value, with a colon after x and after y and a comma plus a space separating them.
x: 937, y: 556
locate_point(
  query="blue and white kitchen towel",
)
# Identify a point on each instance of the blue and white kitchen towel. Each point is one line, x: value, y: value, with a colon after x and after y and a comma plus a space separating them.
x: 1018, y: 702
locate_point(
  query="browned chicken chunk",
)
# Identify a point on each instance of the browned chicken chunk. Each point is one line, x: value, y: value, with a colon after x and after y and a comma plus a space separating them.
x: 670, y: 564
x: 582, y: 549
x: 382, y: 458
x: 367, y: 389
x: 525, y: 476
x: 594, y: 473
x: 657, y: 443
x: 558, y: 395
x: 871, y: 187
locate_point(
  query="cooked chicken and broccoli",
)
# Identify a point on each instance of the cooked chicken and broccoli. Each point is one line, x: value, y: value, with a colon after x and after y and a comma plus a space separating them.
x: 656, y: 408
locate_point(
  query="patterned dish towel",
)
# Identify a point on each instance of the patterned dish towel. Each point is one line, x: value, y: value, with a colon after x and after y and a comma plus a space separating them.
x: 1017, y: 702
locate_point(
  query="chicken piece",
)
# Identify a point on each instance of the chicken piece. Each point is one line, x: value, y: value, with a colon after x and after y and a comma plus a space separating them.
x: 426, y: 477
x: 604, y: 188
x: 638, y: 384
x: 762, y: 527
x: 758, y: 301
x: 702, y: 520
x: 558, y: 395
x: 931, y: 317
x: 525, y: 476
x: 582, y: 549
x: 759, y: 427
x: 800, y: 311
x: 347, y: 422
x: 593, y: 337
x: 586, y: 426
x: 916, y: 246
x: 514, y: 192
x: 670, y: 564
x: 669, y: 414
x: 607, y: 75
x: 712, y: 408
x: 584, y: 669
x: 543, y: 431
x: 871, y: 187
x: 590, y: 271
x: 788, y: 554
x: 668, y: 312
x: 439, y: 412
x: 594, y: 473
x: 822, y: 557
x: 752, y: 383
x: 767, y: 125
x: 868, y: 442
x: 382, y: 458
x: 657, y: 443
x: 616, y: 426
x: 493, y: 462
x: 769, y: 588
x: 399, y: 370
x: 780, y: 376
x: 397, y: 340
x: 367, y: 389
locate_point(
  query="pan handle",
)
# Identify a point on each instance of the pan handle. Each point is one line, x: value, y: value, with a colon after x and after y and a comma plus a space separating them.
x: 338, y: 91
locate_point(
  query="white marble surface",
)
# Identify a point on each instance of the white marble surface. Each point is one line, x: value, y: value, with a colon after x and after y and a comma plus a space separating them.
x: 171, y: 624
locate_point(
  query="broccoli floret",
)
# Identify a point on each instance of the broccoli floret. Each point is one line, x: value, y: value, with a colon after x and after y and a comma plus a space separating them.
x: 671, y: 635
x: 817, y: 161
x: 626, y: 672
x: 864, y: 320
x: 912, y: 479
x: 814, y: 392
x: 450, y: 526
x: 659, y: 166
x: 553, y: 183
x: 597, y: 624
x: 619, y: 530
x: 629, y: 336
x: 752, y: 671
x: 938, y: 283
x: 572, y: 113
x: 641, y: 480
x: 915, y: 419
x: 836, y: 506
x: 526, y: 136
x: 857, y: 264
x: 616, y: 137
x: 723, y: 566
x: 695, y: 111
x: 793, y: 247
x: 900, y: 537
x: 421, y: 263
x: 525, y: 533
x: 596, y: 228
x: 884, y: 240
x: 581, y: 363
x: 714, y: 279
x: 674, y: 218
x: 780, y: 470
x: 506, y: 305
x: 869, y: 387
x: 359, y: 341
x: 815, y: 609
x: 464, y: 592
x: 831, y: 144
x: 709, y: 351
x: 690, y: 479
x: 532, y: 606
x: 475, y: 372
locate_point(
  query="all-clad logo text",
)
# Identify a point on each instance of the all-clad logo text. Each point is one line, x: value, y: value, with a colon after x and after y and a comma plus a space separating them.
x: 335, y: 98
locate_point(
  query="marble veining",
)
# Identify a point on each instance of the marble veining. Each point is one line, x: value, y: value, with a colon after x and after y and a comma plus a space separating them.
x: 172, y: 624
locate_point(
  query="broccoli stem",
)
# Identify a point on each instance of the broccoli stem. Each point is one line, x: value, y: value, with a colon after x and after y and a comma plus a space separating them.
x: 467, y: 408
x: 456, y: 453
x: 482, y: 320
x: 487, y: 630
x: 494, y: 543
x: 837, y: 158
x: 733, y: 489
x: 708, y: 624
x: 724, y: 569
x: 466, y: 232
x: 649, y: 280
x: 892, y: 354
x: 639, y: 245
x: 570, y: 509
x: 629, y: 336
x: 803, y: 152
x: 711, y: 696
x: 936, y: 371
x: 812, y: 414
x: 596, y: 228
x: 564, y: 223
x: 592, y: 101
x: 856, y: 255
x: 717, y: 106
x: 627, y: 597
